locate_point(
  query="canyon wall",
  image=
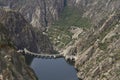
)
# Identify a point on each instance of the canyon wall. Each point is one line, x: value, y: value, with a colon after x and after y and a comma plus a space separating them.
x: 88, y: 29
x: 12, y: 63
x: 22, y: 34
x: 40, y: 13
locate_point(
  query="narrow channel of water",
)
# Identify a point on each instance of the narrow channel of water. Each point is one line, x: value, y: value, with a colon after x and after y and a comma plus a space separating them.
x: 53, y: 69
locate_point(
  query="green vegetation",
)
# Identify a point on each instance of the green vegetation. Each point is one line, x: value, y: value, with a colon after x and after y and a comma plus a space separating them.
x: 71, y: 17
x: 105, y: 32
x: 110, y: 26
x: 118, y: 72
x: 4, y: 38
x: 2, y: 28
x: 61, y: 37
x: 103, y: 46
x: 60, y: 33
x: 117, y: 36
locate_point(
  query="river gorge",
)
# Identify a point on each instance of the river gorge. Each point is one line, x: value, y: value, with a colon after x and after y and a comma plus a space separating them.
x: 86, y: 32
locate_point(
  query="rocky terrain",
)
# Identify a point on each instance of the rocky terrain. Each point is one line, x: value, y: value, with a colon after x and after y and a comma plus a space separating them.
x: 96, y: 46
x: 16, y: 33
x: 98, y: 51
x: 12, y: 64
x: 40, y: 13
x: 22, y: 34
x: 88, y: 29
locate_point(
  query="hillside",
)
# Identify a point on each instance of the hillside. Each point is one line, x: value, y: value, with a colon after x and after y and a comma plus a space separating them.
x: 22, y: 34
x: 88, y: 29
x: 12, y: 64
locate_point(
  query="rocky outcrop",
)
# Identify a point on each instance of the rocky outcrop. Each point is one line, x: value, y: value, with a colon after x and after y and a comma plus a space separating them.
x: 23, y: 35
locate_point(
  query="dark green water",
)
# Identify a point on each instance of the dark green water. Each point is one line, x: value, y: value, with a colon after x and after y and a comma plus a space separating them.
x: 53, y: 69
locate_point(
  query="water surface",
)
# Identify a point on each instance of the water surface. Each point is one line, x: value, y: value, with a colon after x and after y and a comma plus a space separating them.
x: 53, y: 69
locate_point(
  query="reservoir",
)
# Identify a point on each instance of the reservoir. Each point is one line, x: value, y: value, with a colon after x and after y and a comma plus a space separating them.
x: 53, y: 69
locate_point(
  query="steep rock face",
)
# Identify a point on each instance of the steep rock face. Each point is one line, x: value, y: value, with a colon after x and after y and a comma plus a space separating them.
x: 12, y: 64
x: 23, y: 35
x: 96, y: 10
x: 40, y: 13
x: 79, y: 15
x: 96, y: 47
x: 98, y: 51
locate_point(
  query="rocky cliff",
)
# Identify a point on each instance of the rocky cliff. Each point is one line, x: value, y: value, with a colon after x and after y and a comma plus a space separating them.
x: 16, y: 33
x: 22, y: 34
x: 78, y: 15
x: 98, y: 51
x: 12, y: 64
x: 96, y: 10
x: 88, y: 29
x: 97, y: 46
x: 40, y: 13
